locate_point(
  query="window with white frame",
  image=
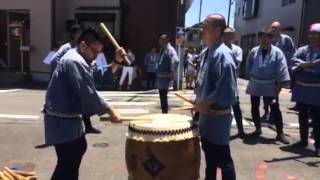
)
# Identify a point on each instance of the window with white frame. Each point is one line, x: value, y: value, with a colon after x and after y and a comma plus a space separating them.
x: 250, y: 9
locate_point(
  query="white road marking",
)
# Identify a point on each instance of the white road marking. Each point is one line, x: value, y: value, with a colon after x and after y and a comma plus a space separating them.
x: 16, y: 116
x: 124, y: 103
x: 146, y: 103
x: 133, y: 95
x: 148, y: 99
x: 244, y: 122
x: 312, y: 141
x: 131, y: 92
x: 142, y: 99
x: 16, y: 121
x: 140, y: 93
x: 294, y: 125
x: 8, y: 90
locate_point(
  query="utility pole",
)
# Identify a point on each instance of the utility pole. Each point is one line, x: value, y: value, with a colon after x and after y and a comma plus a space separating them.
x: 200, y: 11
x: 229, y: 12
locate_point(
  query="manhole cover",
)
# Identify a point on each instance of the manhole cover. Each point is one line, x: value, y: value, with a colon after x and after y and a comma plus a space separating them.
x: 100, y: 145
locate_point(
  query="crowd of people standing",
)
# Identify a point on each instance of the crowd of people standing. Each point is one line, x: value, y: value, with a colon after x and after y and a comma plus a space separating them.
x: 273, y: 64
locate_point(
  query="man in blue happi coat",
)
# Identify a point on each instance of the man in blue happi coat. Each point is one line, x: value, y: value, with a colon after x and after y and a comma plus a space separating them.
x: 216, y: 89
x: 306, y: 69
x: 71, y: 94
x: 167, y: 65
x: 268, y: 73
x: 229, y: 37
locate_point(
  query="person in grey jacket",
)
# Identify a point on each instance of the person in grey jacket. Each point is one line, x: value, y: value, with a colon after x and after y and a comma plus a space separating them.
x: 166, y: 66
x: 216, y: 90
x: 72, y: 94
x: 229, y: 37
x: 74, y: 32
x: 150, y: 63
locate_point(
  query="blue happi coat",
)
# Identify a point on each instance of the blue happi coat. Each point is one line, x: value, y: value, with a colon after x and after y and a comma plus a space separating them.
x: 150, y: 62
x: 306, y: 88
x: 265, y: 73
x: 59, y: 54
x: 238, y: 53
x: 286, y: 44
x: 166, y: 66
x: 217, y: 82
x: 71, y: 91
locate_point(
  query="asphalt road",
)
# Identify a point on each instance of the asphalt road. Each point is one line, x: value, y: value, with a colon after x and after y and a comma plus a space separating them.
x: 21, y: 129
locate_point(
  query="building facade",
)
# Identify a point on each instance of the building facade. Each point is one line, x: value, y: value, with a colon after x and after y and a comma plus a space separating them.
x: 36, y: 18
x: 39, y: 26
x: 310, y: 15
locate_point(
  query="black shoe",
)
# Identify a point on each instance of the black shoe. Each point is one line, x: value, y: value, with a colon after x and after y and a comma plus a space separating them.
x: 256, y: 133
x: 242, y: 134
x: 42, y: 146
x: 265, y: 118
x: 312, y: 135
x: 300, y: 144
x: 282, y: 138
x: 92, y: 130
x: 270, y: 120
x: 318, y: 152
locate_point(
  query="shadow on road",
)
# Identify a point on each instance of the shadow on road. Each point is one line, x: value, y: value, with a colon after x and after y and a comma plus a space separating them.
x: 251, y: 140
x: 302, y: 153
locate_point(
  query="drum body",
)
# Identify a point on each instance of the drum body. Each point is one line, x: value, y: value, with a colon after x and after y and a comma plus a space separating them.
x: 163, y: 152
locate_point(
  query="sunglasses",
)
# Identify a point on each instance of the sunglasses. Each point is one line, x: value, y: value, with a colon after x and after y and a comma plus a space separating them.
x: 94, y: 50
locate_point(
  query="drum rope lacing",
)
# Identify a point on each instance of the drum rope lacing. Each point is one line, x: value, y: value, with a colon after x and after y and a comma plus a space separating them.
x: 163, y: 133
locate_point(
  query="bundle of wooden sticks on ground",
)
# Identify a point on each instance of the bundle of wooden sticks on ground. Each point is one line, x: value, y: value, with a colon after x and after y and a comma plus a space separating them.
x: 9, y: 174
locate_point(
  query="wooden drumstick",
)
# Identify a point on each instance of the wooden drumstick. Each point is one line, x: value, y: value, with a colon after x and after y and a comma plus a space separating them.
x: 113, y: 41
x: 13, y: 174
x: 182, y: 108
x: 136, y: 118
x: 129, y: 118
x: 184, y: 98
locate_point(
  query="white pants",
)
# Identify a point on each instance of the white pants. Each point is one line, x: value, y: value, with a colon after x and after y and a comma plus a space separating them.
x: 126, y: 70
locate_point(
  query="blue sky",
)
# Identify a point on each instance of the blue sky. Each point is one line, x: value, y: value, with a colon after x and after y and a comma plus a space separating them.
x: 208, y: 7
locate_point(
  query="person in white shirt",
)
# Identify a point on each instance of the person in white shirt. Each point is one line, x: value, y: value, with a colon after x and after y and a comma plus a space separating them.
x: 75, y: 33
x: 191, y: 69
x: 150, y: 63
x: 100, y: 73
x: 228, y: 38
x: 128, y: 71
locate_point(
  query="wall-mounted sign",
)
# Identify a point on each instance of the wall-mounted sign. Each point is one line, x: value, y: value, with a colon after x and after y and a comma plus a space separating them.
x: 180, y: 35
x: 16, y: 29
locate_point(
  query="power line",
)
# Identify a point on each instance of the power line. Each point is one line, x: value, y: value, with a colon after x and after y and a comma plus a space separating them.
x: 200, y: 11
x: 229, y: 11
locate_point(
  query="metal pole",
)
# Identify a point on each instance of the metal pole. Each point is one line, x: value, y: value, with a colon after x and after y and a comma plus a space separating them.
x: 22, y: 60
x: 179, y: 68
x: 302, y: 22
x: 229, y: 12
x: 8, y: 39
x: 200, y: 11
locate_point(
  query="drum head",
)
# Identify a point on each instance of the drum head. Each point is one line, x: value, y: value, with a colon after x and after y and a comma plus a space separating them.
x: 162, y: 128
